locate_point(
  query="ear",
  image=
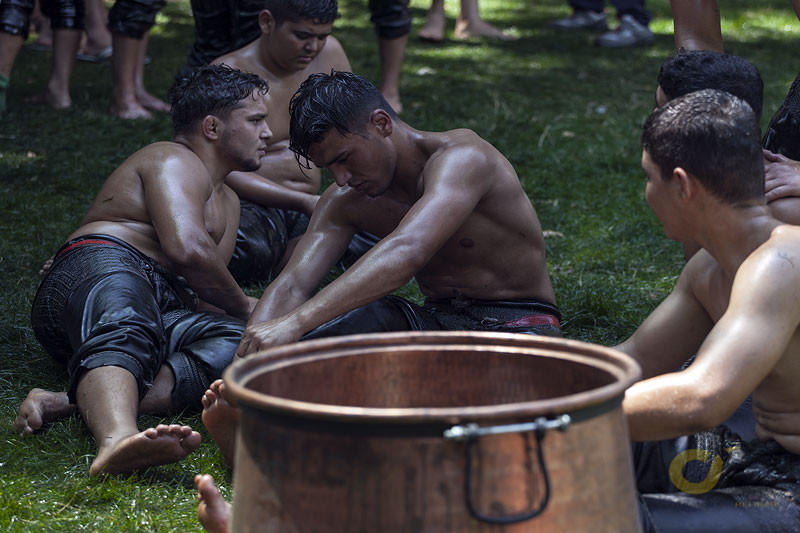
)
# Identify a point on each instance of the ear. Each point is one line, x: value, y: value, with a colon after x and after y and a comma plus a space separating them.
x: 687, y: 184
x: 382, y: 122
x: 212, y: 127
x: 266, y: 22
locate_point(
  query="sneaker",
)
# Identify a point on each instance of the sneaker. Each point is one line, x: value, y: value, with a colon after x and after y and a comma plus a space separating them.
x: 629, y: 33
x: 582, y: 20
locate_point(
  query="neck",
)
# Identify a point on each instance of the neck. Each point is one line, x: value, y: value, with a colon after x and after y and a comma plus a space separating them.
x: 217, y: 169
x: 412, y: 155
x: 268, y: 63
x: 732, y: 233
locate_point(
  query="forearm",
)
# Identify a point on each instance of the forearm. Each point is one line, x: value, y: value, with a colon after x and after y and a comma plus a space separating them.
x: 666, y: 407
x: 208, y: 276
x: 281, y: 167
x: 378, y: 273
x: 281, y: 297
x: 262, y: 191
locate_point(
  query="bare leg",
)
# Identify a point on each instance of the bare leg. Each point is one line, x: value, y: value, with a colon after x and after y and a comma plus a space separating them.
x: 98, y: 38
x: 433, y: 30
x: 145, y: 98
x: 65, y: 46
x: 108, y: 401
x: 42, y: 24
x: 220, y: 419
x: 392, y: 52
x: 470, y: 24
x: 158, y: 400
x: 213, y: 511
x: 9, y: 48
x: 41, y: 407
x: 696, y: 25
x: 124, y: 102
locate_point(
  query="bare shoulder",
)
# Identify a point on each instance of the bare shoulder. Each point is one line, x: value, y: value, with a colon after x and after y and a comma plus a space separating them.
x: 332, y: 56
x: 464, y: 152
x: 241, y: 59
x: 779, y: 255
x: 465, y: 143
x: 167, y: 161
x: 786, y: 209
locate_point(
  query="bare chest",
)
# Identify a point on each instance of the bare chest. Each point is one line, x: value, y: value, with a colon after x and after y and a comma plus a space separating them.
x: 219, y: 215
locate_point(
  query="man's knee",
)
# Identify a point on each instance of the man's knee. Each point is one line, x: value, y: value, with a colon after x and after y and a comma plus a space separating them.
x: 199, y: 347
x: 15, y: 17
x: 64, y: 14
x: 392, y: 18
x: 133, y: 18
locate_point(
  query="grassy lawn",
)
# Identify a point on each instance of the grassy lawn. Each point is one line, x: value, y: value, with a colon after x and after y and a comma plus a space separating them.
x: 565, y: 113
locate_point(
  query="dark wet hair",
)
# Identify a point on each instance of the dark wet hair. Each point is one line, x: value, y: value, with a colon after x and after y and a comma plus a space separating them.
x: 712, y: 135
x: 210, y: 90
x: 693, y: 70
x: 320, y: 11
x: 340, y: 100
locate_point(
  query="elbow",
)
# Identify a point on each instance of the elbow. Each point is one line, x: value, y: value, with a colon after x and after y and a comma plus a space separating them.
x: 705, y: 412
x: 187, y: 258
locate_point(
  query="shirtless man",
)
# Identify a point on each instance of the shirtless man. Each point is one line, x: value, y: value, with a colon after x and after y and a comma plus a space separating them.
x: 278, y: 199
x: 450, y: 211
x: 737, y: 307
x: 125, y: 303
x: 689, y: 71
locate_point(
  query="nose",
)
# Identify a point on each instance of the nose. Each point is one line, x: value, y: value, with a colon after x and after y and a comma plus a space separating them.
x: 341, y: 176
x: 266, y: 133
x: 312, y: 45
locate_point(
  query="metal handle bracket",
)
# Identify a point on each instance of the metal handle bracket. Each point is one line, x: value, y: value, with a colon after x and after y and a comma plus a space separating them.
x: 473, y: 431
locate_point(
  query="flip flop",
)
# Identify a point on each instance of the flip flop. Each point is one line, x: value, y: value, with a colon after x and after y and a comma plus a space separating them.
x: 101, y: 57
x: 36, y: 45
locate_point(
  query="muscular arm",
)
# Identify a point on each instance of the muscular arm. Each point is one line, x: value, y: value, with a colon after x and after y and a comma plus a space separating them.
x: 672, y: 333
x: 453, y: 184
x: 263, y: 191
x: 738, y: 353
x: 279, y: 165
x: 176, y: 193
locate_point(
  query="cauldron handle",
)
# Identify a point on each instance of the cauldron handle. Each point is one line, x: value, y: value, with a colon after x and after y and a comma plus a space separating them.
x: 470, y: 434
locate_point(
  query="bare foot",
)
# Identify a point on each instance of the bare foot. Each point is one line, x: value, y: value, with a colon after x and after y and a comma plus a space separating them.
x: 130, y: 111
x: 213, y: 511
x: 152, y: 447
x: 466, y: 29
x: 220, y: 419
x: 151, y: 102
x: 433, y: 30
x: 56, y: 101
x: 41, y: 407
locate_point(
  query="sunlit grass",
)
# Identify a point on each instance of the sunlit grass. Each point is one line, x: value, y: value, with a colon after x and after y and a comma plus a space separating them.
x: 565, y: 113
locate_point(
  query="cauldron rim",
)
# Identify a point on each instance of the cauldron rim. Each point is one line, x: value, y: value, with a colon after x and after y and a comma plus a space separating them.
x: 624, y: 370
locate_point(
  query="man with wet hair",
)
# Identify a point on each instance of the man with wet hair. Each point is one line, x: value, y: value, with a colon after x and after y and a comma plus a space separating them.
x: 277, y: 200
x: 449, y: 211
x: 127, y: 303
x: 689, y: 71
x: 442, y: 205
x: 736, y: 306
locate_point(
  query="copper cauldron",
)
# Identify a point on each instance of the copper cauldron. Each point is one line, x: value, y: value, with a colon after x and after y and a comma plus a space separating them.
x: 444, y: 431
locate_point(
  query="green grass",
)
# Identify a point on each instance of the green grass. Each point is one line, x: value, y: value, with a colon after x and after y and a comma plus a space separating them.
x: 565, y: 113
